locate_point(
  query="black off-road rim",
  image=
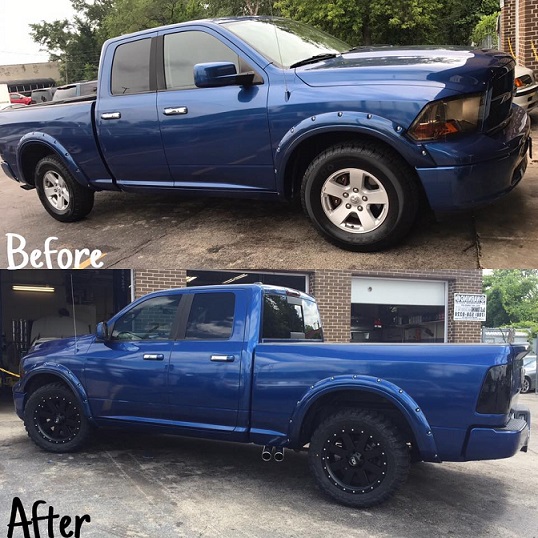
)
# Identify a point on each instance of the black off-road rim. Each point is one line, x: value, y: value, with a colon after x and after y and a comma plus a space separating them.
x: 354, y: 460
x: 57, y: 419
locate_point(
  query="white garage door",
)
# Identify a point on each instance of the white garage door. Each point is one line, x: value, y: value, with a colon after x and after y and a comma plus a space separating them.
x: 390, y: 291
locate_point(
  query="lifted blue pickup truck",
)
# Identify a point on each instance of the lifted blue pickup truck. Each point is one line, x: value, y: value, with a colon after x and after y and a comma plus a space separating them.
x: 247, y: 363
x: 272, y: 109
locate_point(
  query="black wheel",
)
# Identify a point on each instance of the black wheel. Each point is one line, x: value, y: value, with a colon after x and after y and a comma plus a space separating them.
x: 358, y: 457
x: 54, y: 419
x: 362, y: 197
x: 526, y: 385
x: 61, y: 195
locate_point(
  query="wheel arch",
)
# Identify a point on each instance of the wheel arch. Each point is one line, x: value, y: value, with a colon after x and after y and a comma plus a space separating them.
x: 55, y: 374
x: 364, y: 392
x: 35, y: 146
x: 304, y: 142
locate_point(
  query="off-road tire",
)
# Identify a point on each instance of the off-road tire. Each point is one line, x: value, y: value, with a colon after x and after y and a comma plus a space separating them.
x: 55, y: 420
x: 358, y: 457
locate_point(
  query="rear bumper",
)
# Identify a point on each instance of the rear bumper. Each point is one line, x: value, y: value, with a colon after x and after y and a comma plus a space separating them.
x: 498, y: 443
x: 487, y: 168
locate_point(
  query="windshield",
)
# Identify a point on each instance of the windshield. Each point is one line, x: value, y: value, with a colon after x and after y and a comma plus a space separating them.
x: 285, y: 42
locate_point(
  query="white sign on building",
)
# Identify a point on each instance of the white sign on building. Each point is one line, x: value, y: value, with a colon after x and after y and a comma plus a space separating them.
x: 469, y: 307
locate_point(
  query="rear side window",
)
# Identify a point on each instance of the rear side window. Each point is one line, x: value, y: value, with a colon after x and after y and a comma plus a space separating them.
x: 130, y: 68
x: 211, y: 316
x: 290, y: 318
x: 182, y: 51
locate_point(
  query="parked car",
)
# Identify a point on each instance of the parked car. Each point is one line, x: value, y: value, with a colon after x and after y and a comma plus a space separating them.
x: 529, y: 381
x: 526, y: 88
x: 248, y: 363
x: 19, y: 98
x: 269, y: 108
x: 78, y: 89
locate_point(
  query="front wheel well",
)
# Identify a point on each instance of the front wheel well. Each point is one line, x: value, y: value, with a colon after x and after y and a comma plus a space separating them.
x: 354, y: 399
x: 307, y: 150
x: 30, y: 156
x: 41, y: 380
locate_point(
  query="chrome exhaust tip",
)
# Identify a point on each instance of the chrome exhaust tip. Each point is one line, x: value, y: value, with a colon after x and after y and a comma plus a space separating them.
x: 278, y: 454
x: 267, y: 453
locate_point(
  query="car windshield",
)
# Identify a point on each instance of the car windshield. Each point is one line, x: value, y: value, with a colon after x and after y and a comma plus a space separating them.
x: 285, y: 42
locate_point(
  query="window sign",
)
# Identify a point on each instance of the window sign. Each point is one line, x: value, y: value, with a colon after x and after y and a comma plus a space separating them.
x: 469, y: 307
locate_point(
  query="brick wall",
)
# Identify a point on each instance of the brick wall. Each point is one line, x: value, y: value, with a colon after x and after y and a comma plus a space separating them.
x: 528, y: 31
x: 154, y: 280
x: 332, y: 290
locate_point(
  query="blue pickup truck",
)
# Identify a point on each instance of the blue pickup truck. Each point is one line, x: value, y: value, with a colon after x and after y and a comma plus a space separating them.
x: 272, y: 109
x: 248, y: 363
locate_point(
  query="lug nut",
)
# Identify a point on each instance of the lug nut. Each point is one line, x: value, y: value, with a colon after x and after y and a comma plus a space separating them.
x: 348, y: 206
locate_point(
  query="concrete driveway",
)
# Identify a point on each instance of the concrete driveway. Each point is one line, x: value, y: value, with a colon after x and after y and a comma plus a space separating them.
x: 138, y: 231
x: 146, y: 486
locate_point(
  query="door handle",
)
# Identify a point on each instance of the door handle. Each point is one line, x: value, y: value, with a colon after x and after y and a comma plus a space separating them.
x: 176, y: 111
x: 111, y: 116
x: 153, y: 356
x: 222, y: 358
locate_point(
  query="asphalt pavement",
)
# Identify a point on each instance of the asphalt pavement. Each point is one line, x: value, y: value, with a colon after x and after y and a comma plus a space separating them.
x: 141, y: 231
x: 141, y: 486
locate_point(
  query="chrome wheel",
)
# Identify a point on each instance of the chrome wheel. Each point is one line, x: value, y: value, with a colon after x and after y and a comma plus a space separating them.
x: 56, y: 191
x: 355, y: 200
x: 525, y: 386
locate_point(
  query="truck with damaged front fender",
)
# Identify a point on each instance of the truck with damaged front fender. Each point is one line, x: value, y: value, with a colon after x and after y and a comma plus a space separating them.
x: 271, y: 109
x: 248, y: 363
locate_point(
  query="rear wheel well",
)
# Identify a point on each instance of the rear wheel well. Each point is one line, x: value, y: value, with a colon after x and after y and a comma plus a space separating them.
x: 309, y: 149
x: 30, y: 156
x: 354, y: 399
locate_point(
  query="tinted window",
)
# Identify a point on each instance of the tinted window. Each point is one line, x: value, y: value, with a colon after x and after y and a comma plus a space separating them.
x: 211, y: 316
x: 130, y: 69
x: 151, y: 320
x: 290, y: 318
x: 182, y: 51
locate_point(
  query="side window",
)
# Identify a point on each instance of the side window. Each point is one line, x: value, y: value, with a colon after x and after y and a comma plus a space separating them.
x: 211, y: 316
x: 130, y: 68
x: 183, y: 50
x: 151, y: 320
x: 290, y: 318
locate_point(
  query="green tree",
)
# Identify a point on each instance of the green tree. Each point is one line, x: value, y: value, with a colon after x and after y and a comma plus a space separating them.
x: 512, y: 297
x: 486, y: 30
x: 75, y: 44
x: 364, y: 22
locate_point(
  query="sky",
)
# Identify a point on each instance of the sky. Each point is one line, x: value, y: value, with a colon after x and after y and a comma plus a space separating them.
x: 16, y: 45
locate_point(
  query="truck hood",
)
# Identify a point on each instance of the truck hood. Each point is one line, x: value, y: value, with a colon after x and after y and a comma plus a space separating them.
x: 458, y: 69
x: 52, y: 347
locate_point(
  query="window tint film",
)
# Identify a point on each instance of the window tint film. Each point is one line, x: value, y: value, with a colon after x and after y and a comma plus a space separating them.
x: 182, y: 51
x: 130, y: 69
x: 290, y: 318
x: 151, y: 320
x: 211, y: 316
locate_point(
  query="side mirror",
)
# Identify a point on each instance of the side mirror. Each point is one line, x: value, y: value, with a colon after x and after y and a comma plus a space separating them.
x: 101, y: 331
x: 216, y: 74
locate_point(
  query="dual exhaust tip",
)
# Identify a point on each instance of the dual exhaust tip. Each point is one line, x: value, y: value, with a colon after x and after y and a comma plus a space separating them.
x: 271, y: 452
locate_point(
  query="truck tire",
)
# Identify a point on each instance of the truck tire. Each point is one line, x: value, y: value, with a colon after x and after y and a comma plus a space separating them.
x: 360, y: 196
x: 54, y: 419
x: 358, y: 457
x: 61, y: 195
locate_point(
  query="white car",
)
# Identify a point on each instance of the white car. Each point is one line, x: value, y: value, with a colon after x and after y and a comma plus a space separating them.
x: 526, y: 88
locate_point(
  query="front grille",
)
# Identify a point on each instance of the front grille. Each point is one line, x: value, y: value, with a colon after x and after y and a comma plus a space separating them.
x: 501, y: 94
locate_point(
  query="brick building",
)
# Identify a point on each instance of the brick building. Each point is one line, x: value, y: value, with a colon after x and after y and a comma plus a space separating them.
x: 393, y: 306
x: 519, y: 31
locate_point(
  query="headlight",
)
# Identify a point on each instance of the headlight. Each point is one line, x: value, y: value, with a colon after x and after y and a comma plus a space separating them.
x: 448, y: 117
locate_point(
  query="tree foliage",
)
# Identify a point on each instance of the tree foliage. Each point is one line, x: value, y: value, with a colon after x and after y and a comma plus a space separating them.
x: 486, y: 30
x: 76, y: 44
x: 512, y: 297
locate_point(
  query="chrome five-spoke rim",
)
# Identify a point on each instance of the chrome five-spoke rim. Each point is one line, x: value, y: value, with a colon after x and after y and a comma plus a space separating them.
x: 56, y: 190
x: 354, y: 200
